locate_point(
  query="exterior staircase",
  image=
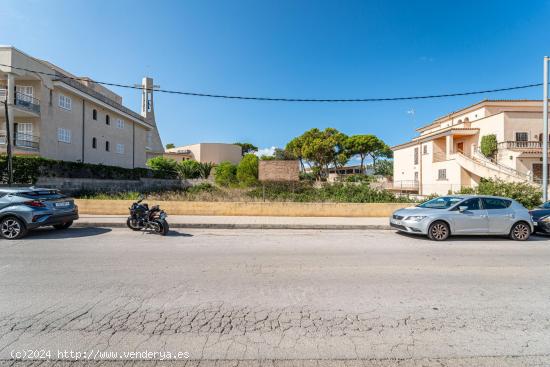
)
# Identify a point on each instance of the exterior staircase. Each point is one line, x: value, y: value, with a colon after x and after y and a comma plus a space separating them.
x: 482, y: 166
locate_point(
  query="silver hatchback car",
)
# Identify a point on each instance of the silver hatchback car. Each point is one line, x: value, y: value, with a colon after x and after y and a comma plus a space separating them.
x: 465, y: 215
x: 26, y: 208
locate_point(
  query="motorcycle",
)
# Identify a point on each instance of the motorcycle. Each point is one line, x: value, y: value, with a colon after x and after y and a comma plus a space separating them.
x: 143, y: 217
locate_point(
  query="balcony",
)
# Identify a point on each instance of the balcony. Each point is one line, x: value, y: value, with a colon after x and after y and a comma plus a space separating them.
x: 25, y: 141
x: 27, y: 103
x: 23, y: 102
x: 439, y: 157
x: 520, y: 145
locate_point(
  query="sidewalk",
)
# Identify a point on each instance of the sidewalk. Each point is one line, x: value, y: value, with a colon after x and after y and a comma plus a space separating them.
x: 243, y: 222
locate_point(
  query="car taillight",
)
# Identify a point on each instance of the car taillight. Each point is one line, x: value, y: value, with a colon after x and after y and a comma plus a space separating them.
x: 35, y: 203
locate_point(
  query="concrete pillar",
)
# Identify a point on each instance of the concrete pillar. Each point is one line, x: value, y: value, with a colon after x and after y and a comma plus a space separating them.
x: 11, y: 101
x: 449, y: 145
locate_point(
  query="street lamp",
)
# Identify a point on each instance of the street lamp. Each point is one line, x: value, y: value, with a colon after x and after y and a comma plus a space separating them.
x: 545, y: 129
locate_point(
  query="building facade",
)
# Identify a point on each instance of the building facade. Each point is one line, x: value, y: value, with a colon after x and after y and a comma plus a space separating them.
x: 446, y: 155
x: 206, y: 153
x: 57, y: 115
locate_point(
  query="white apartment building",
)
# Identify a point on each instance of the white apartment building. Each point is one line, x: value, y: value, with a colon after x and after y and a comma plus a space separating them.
x: 55, y: 116
x: 206, y: 153
x: 445, y: 156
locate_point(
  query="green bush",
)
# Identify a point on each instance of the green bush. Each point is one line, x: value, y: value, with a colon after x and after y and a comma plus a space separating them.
x: 358, y: 178
x: 163, y: 167
x: 27, y: 169
x: 489, y: 145
x: 525, y: 193
x: 247, y: 170
x: 205, y: 169
x: 188, y: 169
x: 307, y: 192
x: 226, y: 174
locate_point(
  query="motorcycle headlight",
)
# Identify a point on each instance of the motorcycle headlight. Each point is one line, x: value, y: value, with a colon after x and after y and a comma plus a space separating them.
x: 415, y: 218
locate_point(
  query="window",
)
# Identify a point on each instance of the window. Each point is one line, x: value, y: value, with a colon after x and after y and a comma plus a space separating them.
x: 107, y: 146
x: 416, y: 177
x: 415, y: 155
x: 94, y: 114
x: 107, y: 120
x: 522, y: 136
x: 120, y: 123
x: 470, y: 204
x: 94, y: 143
x: 65, y: 102
x: 442, y: 202
x: 24, y: 93
x: 425, y: 149
x: 149, y: 138
x: 64, y: 135
x: 494, y: 203
x: 442, y: 174
x: 120, y: 148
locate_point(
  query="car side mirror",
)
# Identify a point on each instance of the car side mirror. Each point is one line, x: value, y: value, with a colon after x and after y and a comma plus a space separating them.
x: 462, y: 208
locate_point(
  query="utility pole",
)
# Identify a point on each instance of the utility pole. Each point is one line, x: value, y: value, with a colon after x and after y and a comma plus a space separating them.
x: 545, y: 129
x: 8, y: 144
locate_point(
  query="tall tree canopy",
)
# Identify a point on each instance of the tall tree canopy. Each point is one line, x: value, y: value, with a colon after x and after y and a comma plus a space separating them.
x: 367, y: 146
x: 247, y: 148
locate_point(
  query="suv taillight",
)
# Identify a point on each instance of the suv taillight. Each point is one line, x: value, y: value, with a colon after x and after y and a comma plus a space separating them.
x: 35, y: 203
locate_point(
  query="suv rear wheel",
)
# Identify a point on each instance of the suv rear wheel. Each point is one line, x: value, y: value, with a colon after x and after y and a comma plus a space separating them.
x: 12, y: 228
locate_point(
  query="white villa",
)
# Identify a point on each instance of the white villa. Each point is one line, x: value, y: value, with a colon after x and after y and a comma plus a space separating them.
x: 445, y: 156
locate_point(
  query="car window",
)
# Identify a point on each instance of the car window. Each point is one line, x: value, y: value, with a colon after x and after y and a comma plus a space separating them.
x: 546, y: 205
x: 494, y: 203
x: 44, y: 195
x: 470, y: 204
x: 443, y: 202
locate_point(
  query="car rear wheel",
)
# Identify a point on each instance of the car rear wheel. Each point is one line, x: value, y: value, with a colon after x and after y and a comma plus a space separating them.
x: 63, y: 225
x: 439, y: 231
x: 12, y: 228
x: 520, y: 231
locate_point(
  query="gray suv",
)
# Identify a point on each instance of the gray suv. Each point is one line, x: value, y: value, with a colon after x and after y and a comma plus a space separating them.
x: 465, y: 215
x: 23, y: 209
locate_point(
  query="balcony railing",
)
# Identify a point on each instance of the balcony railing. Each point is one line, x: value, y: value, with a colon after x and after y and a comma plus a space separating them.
x: 520, y: 144
x: 27, y: 102
x: 22, y: 140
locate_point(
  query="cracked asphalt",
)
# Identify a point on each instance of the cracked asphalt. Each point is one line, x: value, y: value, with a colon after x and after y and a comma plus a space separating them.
x: 276, y: 297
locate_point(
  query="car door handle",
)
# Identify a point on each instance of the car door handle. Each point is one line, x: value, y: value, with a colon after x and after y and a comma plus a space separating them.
x: 483, y: 216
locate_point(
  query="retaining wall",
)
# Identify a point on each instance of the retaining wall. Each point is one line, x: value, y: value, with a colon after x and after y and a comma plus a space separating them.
x: 72, y: 185
x: 247, y: 208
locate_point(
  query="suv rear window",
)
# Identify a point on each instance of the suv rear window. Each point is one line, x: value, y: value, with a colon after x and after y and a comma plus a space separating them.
x: 42, y: 194
x: 494, y: 203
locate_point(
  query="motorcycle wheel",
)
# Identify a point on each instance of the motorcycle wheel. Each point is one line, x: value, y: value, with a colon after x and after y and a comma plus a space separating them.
x: 164, y: 228
x: 132, y: 224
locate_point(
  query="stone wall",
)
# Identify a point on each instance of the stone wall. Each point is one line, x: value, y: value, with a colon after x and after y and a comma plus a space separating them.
x: 274, y: 209
x: 279, y: 170
x: 74, y: 185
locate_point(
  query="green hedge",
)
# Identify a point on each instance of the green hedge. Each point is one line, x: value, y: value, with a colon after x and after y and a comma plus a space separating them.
x: 27, y: 169
x: 338, y: 192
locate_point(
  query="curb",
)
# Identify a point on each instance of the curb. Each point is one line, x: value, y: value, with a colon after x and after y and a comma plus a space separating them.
x: 244, y: 226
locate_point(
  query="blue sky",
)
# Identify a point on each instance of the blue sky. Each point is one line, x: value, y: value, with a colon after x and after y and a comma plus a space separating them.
x: 302, y: 49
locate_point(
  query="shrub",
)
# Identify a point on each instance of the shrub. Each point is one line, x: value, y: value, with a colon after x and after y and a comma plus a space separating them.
x: 205, y: 169
x: 358, y: 178
x: 525, y: 193
x: 163, y: 167
x: 489, y: 145
x: 247, y: 170
x: 226, y: 174
x: 339, y: 192
x: 188, y: 169
x: 27, y: 169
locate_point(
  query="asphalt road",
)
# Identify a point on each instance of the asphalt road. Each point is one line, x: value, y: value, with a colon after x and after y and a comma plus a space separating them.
x: 282, y: 297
